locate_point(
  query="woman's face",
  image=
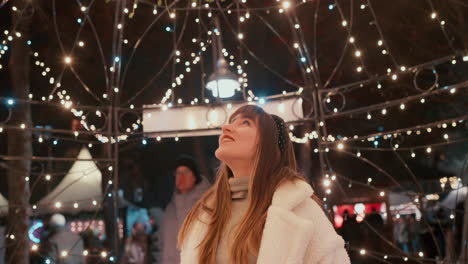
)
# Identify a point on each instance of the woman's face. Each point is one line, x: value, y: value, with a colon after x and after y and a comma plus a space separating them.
x: 238, y: 141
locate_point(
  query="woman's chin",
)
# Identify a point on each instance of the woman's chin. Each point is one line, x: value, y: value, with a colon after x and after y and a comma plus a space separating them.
x: 222, y: 154
x: 219, y: 154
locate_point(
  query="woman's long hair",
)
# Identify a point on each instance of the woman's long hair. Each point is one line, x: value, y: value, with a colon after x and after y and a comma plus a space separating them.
x: 271, y: 167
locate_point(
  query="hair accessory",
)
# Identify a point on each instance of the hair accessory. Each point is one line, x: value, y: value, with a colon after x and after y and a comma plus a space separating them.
x: 281, y: 132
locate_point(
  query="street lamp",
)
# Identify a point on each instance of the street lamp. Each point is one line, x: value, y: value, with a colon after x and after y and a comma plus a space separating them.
x: 222, y: 82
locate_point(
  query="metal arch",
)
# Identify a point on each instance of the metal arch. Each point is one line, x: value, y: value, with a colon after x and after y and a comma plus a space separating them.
x: 105, y: 116
x: 434, y: 85
x: 8, y: 117
x: 127, y: 112
x: 329, y: 96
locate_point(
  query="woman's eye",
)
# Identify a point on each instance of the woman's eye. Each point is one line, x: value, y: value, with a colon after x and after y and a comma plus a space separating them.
x: 246, y: 122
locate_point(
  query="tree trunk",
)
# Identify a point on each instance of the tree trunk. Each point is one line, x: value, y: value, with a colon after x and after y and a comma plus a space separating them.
x: 19, y: 141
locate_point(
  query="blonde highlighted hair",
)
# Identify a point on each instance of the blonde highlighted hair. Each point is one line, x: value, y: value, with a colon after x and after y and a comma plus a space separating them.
x: 271, y: 167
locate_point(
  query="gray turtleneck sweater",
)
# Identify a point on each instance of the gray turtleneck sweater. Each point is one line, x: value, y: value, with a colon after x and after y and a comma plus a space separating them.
x: 239, y: 205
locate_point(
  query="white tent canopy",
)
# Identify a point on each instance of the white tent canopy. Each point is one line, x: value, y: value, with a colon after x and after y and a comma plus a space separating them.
x: 80, y: 189
x: 3, y: 205
x: 454, y: 197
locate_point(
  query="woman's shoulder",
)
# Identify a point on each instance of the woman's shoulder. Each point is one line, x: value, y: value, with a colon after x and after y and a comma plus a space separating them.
x: 291, y: 193
x: 312, y: 210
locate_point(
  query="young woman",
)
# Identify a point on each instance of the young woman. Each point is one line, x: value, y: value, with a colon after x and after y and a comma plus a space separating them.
x: 260, y: 209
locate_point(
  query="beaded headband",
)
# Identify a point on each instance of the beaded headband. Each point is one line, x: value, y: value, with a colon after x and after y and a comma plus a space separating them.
x: 281, y: 132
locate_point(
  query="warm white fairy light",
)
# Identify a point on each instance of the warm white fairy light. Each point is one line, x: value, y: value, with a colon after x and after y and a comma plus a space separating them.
x: 64, y: 254
x: 351, y: 40
x: 344, y: 23
x: 58, y: 204
x: 357, y: 53
x: 382, y: 194
x: 402, y: 106
x: 429, y: 150
x: 34, y: 247
x: 286, y: 4
x: 362, y: 251
x: 433, y: 15
x: 68, y: 60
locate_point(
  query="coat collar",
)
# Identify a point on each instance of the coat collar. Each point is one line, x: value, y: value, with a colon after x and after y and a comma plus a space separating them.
x: 289, y: 194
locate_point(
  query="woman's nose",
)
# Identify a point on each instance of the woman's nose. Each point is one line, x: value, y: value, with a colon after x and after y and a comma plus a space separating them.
x: 226, y: 127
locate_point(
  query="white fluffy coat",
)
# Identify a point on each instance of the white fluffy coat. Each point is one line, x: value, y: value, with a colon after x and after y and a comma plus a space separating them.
x: 296, y: 231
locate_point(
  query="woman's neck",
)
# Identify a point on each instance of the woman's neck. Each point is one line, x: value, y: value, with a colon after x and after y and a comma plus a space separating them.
x: 241, y: 169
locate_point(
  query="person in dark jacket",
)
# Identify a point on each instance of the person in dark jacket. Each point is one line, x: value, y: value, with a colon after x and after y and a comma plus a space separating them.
x: 190, y: 186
